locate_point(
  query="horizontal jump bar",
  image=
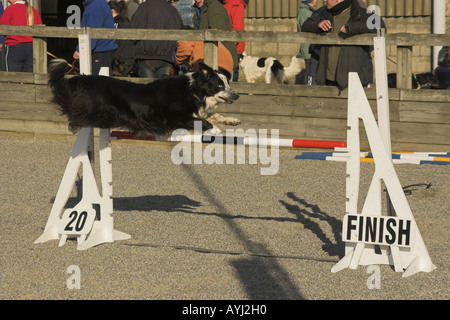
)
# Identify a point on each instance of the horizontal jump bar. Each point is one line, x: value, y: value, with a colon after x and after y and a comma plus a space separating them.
x: 249, y: 141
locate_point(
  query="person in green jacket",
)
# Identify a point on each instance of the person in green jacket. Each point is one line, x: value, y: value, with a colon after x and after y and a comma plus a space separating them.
x: 307, y: 8
x: 211, y: 14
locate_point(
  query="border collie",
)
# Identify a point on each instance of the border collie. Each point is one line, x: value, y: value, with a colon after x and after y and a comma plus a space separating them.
x: 425, y: 80
x: 156, y: 108
x: 268, y: 68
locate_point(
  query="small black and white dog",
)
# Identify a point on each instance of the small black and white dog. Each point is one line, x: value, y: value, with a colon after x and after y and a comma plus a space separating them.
x: 425, y: 80
x: 268, y: 68
x: 156, y: 108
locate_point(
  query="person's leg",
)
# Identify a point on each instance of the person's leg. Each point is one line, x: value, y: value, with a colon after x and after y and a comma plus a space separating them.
x: 443, y: 75
x: 14, y: 58
x: 27, y: 51
x: 163, y: 68
x: 146, y: 69
x: 101, y: 59
x: 307, y: 79
x: 235, y: 76
x: 96, y: 63
x: 2, y: 58
x: 164, y: 71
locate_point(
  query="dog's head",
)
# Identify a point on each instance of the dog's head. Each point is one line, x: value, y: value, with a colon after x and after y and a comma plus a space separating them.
x: 426, y: 80
x: 213, y: 86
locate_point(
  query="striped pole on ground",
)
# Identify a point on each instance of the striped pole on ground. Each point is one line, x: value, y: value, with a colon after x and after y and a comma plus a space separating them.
x: 436, y: 158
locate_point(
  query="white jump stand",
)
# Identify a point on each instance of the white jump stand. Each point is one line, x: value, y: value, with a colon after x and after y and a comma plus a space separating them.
x: 413, y: 258
x: 90, y: 221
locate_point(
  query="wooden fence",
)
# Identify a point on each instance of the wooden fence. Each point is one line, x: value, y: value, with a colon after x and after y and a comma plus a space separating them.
x: 420, y: 119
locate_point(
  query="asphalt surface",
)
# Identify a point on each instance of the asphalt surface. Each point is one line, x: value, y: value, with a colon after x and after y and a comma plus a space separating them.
x: 207, y: 231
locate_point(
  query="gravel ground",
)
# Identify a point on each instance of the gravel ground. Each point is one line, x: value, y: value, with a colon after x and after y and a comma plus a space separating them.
x: 207, y: 231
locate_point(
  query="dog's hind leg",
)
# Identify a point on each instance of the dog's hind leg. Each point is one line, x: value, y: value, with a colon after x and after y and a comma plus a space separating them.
x: 74, y: 129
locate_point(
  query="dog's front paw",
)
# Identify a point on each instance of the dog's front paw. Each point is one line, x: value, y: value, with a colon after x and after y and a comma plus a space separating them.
x: 232, y: 121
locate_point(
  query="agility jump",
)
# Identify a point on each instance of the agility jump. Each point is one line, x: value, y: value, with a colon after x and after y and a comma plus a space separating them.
x: 91, y: 222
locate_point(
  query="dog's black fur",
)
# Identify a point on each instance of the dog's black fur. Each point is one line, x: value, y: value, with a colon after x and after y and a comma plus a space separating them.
x: 276, y: 66
x: 425, y: 80
x: 156, y: 108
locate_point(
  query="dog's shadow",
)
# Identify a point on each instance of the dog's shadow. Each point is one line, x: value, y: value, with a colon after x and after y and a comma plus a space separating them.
x: 308, y: 214
x: 170, y: 203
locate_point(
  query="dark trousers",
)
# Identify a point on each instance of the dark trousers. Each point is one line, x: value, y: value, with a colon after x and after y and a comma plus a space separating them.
x: 235, y: 76
x: 310, y: 72
x: 19, y: 58
x: 443, y: 75
x: 101, y: 59
x: 2, y: 58
x: 155, y: 69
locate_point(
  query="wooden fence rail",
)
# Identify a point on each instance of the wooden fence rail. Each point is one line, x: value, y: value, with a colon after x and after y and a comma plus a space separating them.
x: 398, y: 39
x: 404, y: 42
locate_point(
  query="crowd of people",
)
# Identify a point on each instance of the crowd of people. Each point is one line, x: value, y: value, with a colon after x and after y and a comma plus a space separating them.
x: 325, y: 64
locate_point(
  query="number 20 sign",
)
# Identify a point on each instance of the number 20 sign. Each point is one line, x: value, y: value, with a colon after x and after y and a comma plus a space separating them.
x: 77, y: 221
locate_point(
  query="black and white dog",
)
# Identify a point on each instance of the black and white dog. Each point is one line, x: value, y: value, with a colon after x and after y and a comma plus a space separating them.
x: 426, y: 80
x: 156, y: 108
x: 269, y: 69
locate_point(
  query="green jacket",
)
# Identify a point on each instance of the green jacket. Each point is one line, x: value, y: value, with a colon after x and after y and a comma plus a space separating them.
x: 215, y: 16
x: 304, y: 13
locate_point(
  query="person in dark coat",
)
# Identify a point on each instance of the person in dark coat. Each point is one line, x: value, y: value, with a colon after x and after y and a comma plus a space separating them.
x: 211, y: 14
x: 132, y: 6
x: 97, y: 14
x: 443, y: 70
x: 123, y: 63
x: 155, y: 57
x: 345, y: 18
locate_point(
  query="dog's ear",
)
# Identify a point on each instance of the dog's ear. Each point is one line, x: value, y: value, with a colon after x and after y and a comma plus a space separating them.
x: 204, y: 69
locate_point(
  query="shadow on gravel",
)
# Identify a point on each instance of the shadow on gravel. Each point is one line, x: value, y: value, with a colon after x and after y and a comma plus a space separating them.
x: 172, y: 203
x: 306, y: 213
x: 262, y: 278
x: 261, y: 275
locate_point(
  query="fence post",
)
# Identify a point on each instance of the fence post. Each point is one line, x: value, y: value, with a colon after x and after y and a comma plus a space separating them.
x: 211, y: 52
x: 39, y: 55
x: 84, y: 41
x: 404, y: 67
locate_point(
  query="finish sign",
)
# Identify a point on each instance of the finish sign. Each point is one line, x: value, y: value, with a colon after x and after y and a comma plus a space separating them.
x: 380, y: 230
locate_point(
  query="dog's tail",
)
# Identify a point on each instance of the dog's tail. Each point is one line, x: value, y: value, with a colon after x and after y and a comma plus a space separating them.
x: 293, y: 69
x: 59, y: 84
